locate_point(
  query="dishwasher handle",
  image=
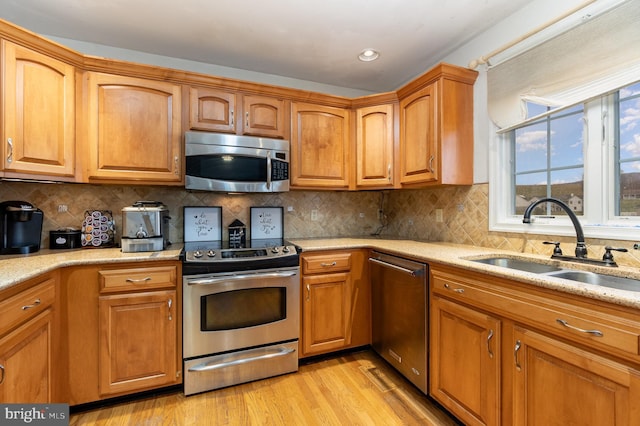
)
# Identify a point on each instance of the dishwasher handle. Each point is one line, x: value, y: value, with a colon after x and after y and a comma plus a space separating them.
x: 411, y: 272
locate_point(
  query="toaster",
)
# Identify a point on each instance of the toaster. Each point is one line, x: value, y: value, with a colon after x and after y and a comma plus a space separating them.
x: 145, y: 227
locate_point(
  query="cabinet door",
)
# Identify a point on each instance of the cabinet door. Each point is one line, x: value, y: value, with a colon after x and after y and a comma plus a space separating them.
x: 319, y: 146
x: 374, y: 146
x: 137, y: 341
x: 25, y: 362
x: 326, y: 312
x: 264, y: 116
x: 465, y: 362
x: 134, y: 130
x: 212, y: 110
x: 39, y: 113
x: 418, y: 137
x: 558, y: 384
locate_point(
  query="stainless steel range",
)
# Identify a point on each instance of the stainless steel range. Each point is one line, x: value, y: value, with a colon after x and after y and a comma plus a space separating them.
x: 241, y: 313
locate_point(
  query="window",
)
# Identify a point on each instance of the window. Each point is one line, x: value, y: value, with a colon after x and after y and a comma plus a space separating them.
x: 587, y: 156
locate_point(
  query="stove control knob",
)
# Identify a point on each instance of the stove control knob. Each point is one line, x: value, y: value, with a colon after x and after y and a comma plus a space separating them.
x: 275, y: 250
x: 211, y: 253
x: 285, y: 249
x: 197, y: 254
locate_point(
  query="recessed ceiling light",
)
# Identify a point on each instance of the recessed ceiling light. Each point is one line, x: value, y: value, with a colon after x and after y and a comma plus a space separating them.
x: 368, y: 55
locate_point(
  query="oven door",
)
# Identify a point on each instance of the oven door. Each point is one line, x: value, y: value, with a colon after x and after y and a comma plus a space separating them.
x: 230, y: 311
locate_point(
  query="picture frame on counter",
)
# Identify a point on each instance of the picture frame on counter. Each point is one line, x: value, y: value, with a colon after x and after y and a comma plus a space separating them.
x: 266, y: 223
x: 202, y: 223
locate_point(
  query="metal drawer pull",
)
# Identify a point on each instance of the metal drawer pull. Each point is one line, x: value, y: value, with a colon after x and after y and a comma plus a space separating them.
x: 170, y: 303
x: 139, y: 280
x: 33, y: 305
x: 308, y: 292
x: 489, y: 337
x: 515, y: 354
x: 213, y: 366
x: 2, y: 377
x: 10, y: 153
x: 596, y: 333
x: 457, y: 290
x: 327, y: 265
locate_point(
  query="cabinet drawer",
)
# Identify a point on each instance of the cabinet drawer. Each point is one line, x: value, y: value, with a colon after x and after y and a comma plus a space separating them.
x: 116, y: 280
x: 326, y: 263
x: 587, y: 325
x: 27, y: 304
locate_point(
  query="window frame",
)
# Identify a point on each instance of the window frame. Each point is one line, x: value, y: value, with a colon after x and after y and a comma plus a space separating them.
x: 597, y: 220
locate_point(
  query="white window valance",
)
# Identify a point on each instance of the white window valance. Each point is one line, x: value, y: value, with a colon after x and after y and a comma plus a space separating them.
x: 598, y: 56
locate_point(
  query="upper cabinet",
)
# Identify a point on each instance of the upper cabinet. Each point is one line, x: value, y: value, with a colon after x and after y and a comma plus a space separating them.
x: 224, y: 111
x: 436, y: 128
x: 38, y: 114
x: 133, y: 130
x: 375, y: 163
x: 320, y: 146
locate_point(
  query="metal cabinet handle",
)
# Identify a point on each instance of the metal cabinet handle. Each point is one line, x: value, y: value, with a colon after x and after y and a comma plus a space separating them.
x: 10, y: 154
x: 328, y: 265
x: 596, y: 333
x: 515, y: 354
x: 231, y: 114
x: 176, y: 161
x: 138, y: 280
x: 431, y: 159
x: 308, y: 292
x: 33, y: 305
x: 457, y: 290
x: 247, y: 115
x: 389, y: 172
x: 2, y: 376
x: 489, y: 337
x: 170, y: 303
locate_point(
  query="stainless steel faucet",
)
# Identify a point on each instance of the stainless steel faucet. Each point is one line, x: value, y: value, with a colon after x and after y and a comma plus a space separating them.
x: 581, y: 247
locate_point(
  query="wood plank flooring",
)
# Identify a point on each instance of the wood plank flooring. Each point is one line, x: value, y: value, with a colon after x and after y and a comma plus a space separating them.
x: 356, y: 388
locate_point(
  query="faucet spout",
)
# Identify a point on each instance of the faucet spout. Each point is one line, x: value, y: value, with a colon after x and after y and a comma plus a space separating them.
x: 581, y: 247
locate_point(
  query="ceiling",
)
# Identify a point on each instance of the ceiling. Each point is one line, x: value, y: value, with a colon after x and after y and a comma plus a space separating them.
x: 313, y: 40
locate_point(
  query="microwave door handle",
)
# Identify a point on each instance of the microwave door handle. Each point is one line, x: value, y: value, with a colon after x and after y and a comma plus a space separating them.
x: 269, y: 170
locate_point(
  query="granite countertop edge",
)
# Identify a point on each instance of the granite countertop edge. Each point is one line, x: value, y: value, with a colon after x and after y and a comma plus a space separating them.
x: 460, y: 255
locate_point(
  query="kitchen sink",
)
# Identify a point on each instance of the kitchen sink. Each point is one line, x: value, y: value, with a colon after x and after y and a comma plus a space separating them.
x: 602, y: 280
x: 519, y: 264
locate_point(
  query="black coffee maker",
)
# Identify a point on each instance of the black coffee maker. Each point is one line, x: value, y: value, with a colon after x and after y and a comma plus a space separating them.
x: 20, y: 227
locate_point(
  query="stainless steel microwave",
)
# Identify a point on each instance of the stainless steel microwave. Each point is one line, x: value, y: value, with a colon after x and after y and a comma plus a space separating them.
x: 231, y: 163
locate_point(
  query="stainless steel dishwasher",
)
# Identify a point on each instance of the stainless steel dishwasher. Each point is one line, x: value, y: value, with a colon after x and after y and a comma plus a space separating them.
x: 399, y: 314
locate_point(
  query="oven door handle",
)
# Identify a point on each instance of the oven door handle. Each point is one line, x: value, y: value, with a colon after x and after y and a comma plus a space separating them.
x: 226, y: 278
x: 216, y: 365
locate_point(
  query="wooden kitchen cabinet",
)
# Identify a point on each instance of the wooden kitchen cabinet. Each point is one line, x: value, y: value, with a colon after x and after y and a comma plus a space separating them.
x: 124, y: 329
x: 465, y: 361
x: 133, y: 130
x: 375, y: 159
x: 28, y: 355
x: 320, y: 147
x: 335, y: 301
x: 557, y: 383
x: 38, y: 108
x: 436, y: 128
x: 218, y: 110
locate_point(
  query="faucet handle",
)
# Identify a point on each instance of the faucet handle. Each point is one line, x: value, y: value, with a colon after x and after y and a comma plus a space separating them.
x: 608, y: 256
x: 556, y: 250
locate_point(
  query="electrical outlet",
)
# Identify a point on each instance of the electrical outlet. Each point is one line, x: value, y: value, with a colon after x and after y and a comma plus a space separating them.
x: 290, y: 208
x: 62, y: 208
x: 361, y: 215
x: 439, y: 215
x: 314, y: 215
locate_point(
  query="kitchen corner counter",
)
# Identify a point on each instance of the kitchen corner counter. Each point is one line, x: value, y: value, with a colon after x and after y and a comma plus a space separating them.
x: 459, y: 255
x: 17, y: 268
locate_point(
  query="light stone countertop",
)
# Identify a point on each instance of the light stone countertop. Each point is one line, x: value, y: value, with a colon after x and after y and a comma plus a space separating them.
x: 459, y: 255
x: 19, y: 267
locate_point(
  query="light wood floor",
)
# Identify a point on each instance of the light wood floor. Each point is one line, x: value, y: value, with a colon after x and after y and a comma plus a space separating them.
x: 351, y: 389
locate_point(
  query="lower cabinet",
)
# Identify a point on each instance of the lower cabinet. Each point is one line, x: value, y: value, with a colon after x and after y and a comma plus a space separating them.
x: 465, y: 361
x: 335, y: 301
x: 123, y: 323
x: 27, y: 338
x: 504, y: 353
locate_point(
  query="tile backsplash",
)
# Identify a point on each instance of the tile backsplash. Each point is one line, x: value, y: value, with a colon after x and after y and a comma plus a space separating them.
x: 408, y: 213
